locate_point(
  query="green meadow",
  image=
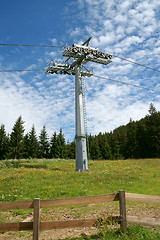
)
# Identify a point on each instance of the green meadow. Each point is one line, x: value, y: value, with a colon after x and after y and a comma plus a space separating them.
x: 47, y: 179
x: 56, y: 178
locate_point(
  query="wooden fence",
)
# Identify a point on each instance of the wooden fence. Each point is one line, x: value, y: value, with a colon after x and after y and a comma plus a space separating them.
x: 36, y: 204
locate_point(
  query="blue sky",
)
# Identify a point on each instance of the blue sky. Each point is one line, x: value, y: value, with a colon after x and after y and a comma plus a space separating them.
x: 125, y: 28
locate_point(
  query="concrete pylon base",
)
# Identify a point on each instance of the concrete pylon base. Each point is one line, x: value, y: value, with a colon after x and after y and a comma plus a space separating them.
x: 81, y: 154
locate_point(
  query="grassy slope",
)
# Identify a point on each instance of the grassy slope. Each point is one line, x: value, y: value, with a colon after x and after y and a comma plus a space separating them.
x: 46, y: 179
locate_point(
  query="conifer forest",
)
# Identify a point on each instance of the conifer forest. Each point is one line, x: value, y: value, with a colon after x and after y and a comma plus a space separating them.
x: 137, y: 139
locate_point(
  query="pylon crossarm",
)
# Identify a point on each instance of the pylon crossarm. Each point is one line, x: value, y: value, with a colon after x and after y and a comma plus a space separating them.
x: 53, y: 70
x: 68, y: 71
x: 96, y: 60
x: 77, y: 50
x: 71, y: 54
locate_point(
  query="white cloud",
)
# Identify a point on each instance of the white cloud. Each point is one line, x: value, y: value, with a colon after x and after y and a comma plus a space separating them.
x: 75, y: 32
x: 53, y: 41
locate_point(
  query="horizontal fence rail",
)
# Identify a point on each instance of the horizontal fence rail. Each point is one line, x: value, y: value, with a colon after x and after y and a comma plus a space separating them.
x: 21, y: 226
x: 25, y: 226
x: 61, y: 202
x: 36, y: 204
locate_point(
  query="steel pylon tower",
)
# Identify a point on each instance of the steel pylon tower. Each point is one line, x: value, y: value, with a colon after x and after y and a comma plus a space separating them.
x: 77, y: 56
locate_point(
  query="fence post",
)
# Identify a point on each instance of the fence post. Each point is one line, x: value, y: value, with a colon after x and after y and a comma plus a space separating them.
x: 36, y: 219
x: 122, y: 206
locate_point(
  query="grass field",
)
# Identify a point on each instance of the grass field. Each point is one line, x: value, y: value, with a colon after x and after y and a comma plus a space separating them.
x: 27, y: 179
x: 47, y: 179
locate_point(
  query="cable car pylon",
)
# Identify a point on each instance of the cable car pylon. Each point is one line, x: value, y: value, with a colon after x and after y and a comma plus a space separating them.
x: 77, y: 56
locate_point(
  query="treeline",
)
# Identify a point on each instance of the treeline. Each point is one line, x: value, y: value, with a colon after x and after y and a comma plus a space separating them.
x: 137, y: 139
x: 18, y: 145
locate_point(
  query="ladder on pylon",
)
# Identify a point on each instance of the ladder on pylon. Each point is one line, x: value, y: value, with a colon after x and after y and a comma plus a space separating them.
x: 84, y: 105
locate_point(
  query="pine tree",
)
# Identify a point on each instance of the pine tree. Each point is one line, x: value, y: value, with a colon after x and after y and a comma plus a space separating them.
x: 61, y: 143
x: 70, y: 150
x: 94, y: 150
x: 54, y: 147
x: 130, y: 141
x: 153, y: 132
x: 152, y: 110
x: 26, y: 146
x: 115, y: 141
x: 104, y: 147
x: 4, y: 141
x: 43, y: 143
x: 33, y: 143
x: 142, y: 144
x: 16, y: 139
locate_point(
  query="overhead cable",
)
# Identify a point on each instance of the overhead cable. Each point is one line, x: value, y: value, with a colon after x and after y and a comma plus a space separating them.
x: 130, y: 61
x: 129, y: 84
x: 29, y: 45
x: 23, y: 70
